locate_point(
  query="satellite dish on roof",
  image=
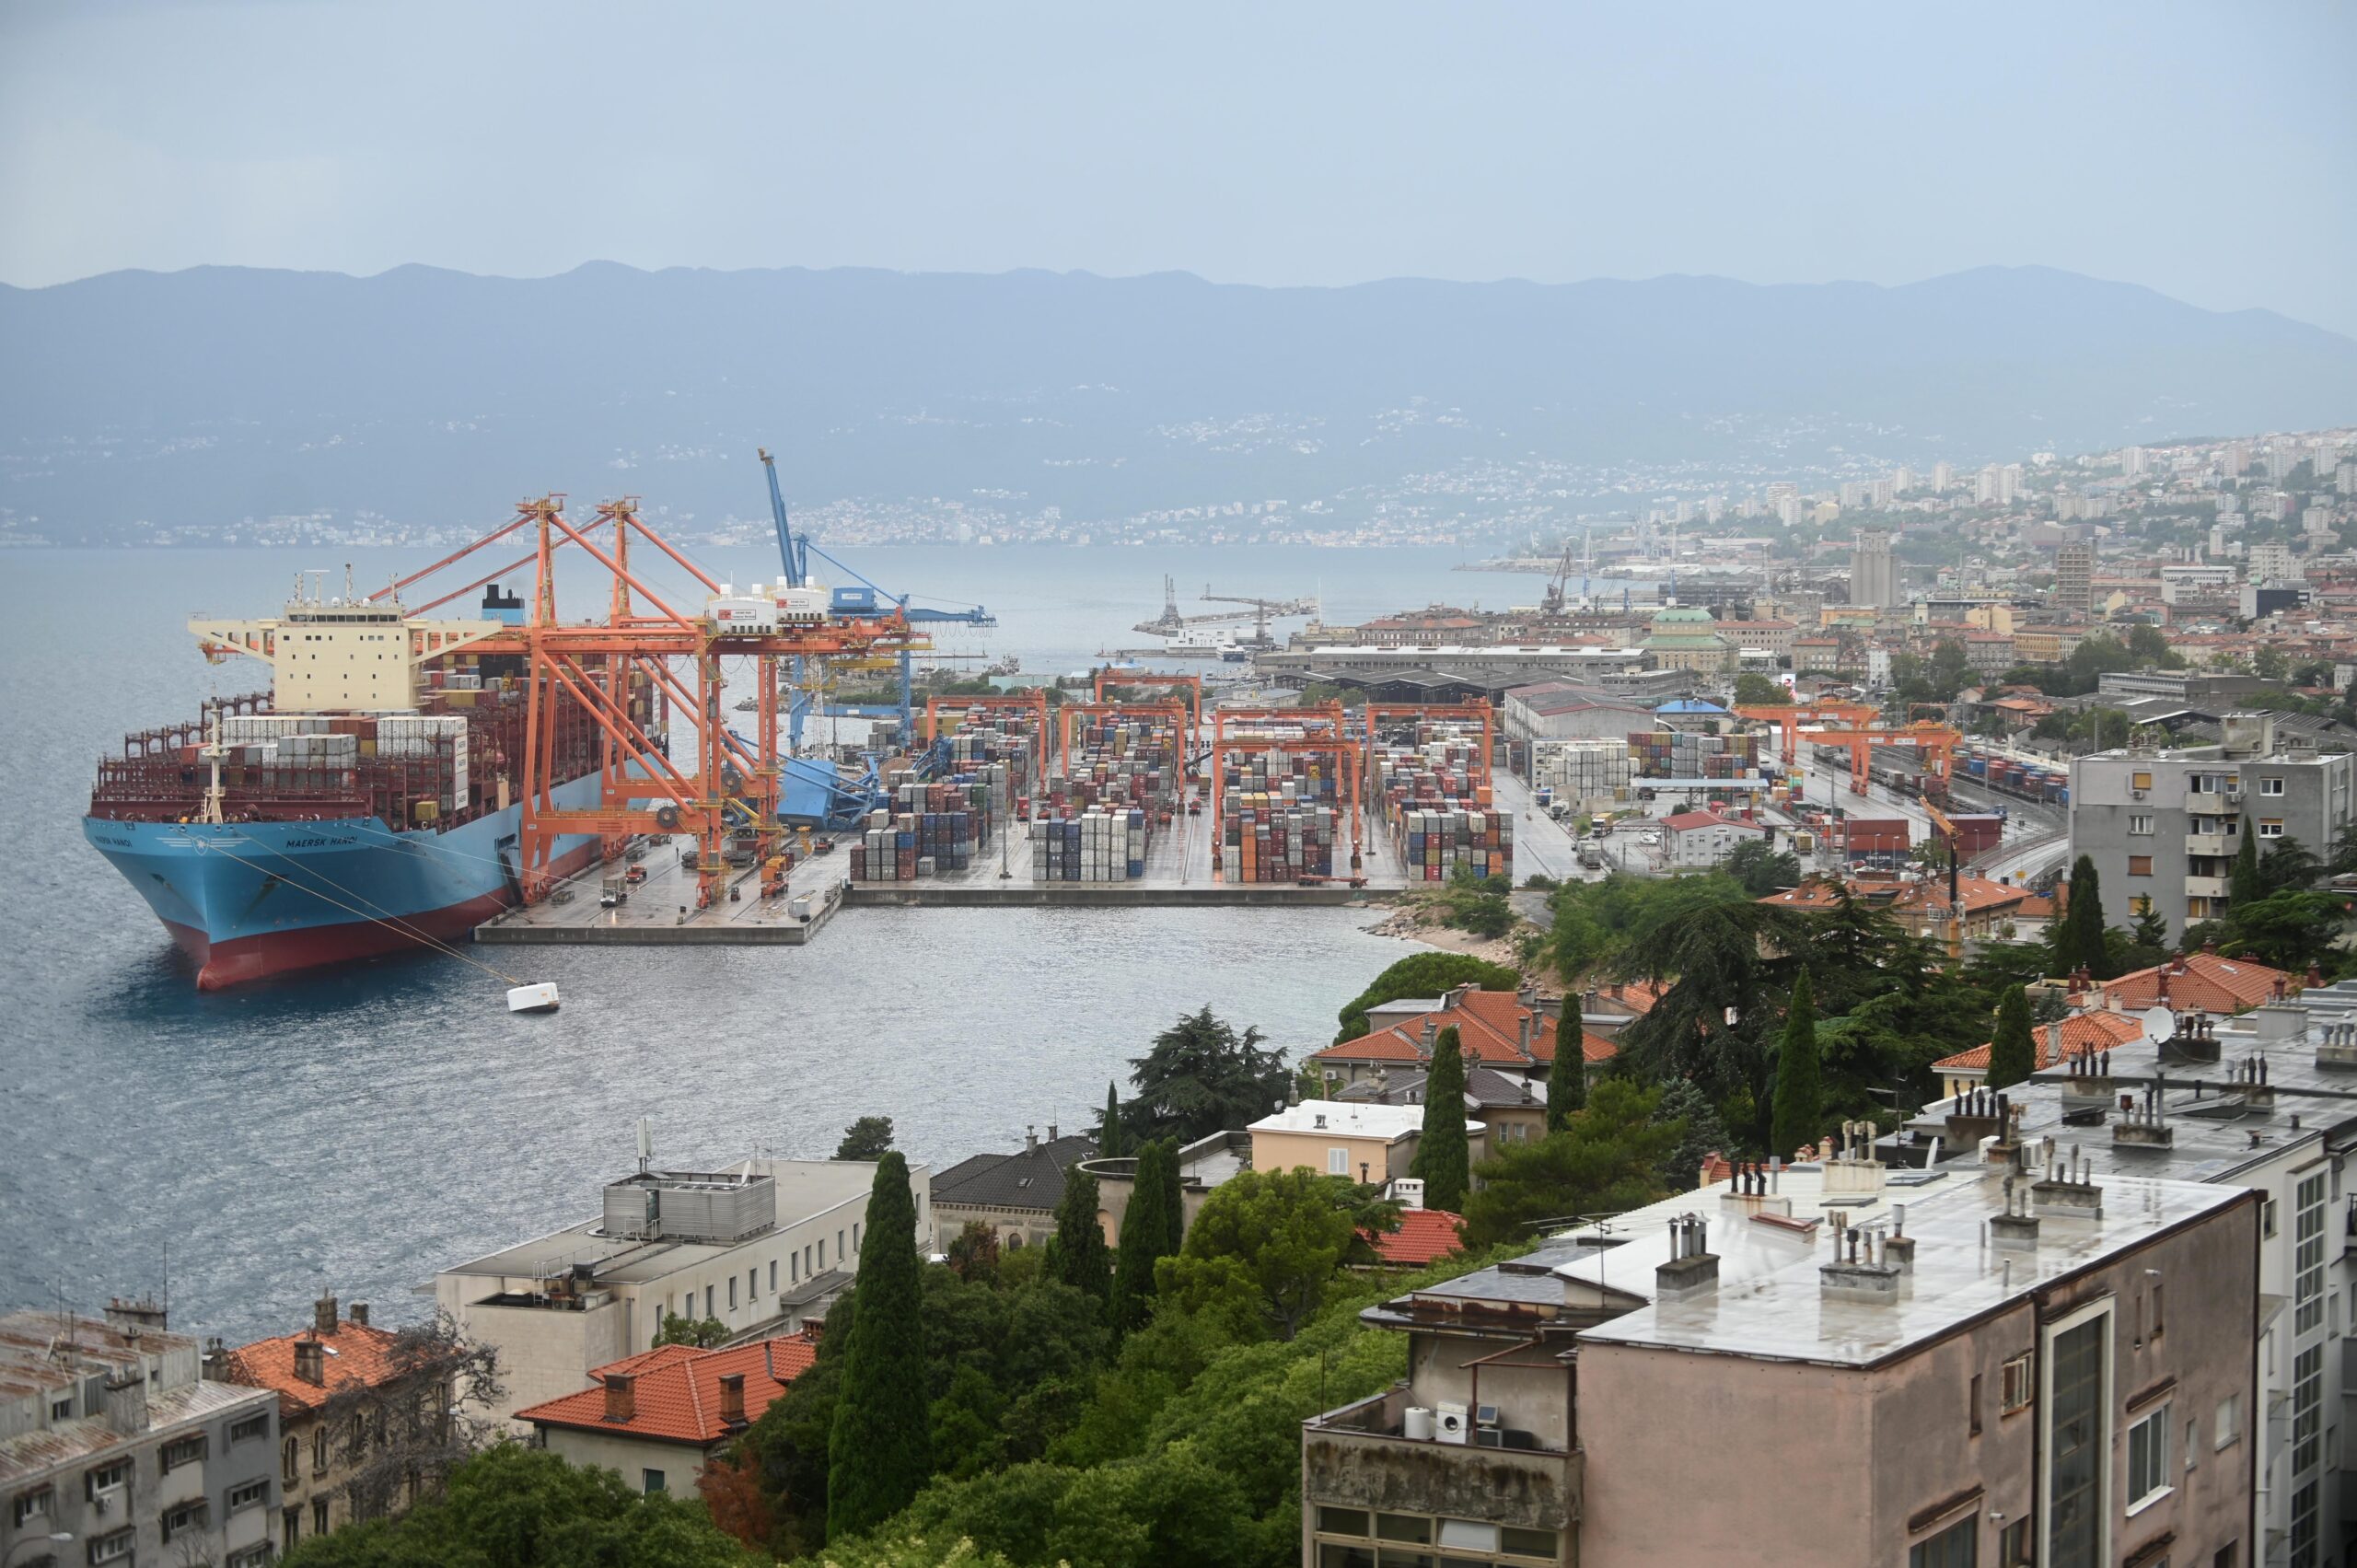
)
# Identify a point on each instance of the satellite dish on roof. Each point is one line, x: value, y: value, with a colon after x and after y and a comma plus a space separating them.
x: 2159, y: 1023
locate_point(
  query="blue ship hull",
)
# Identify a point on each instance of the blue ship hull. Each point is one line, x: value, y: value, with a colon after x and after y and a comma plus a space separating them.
x: 246, y: 900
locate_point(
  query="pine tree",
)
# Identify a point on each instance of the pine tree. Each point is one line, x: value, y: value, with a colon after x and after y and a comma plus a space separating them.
x: 1076, y: 1253
x: 1111, y: 1141
x: 1566, y: 1081
x: 2013, y: 1053
x: 1443, y: 1155
x: 880, y: 1451
x: 1147, y: 1234
x: 2246, y: 887
x: 1800, y: 1102
x: 2078, y: 941
x: 1703, y: 1134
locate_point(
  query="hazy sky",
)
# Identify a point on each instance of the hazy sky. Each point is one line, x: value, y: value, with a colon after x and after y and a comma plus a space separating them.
x: 2210, y: 151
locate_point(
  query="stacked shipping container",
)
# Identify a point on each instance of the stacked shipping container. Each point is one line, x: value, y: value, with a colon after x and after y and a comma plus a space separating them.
x: 1097, y: 845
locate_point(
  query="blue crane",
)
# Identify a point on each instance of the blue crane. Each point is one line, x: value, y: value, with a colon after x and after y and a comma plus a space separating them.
x: 794, y: 551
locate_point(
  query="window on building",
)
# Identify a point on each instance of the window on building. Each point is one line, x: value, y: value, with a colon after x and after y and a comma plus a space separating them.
x: 2076, y: 1439
x: 290, y: 1529
x: 1411, y: 1527
x: 2197, y: 908
x: 189, y: 1450
x: 2140, y: 825
x: 38, y: 1503
x: 2148, y: 1457
x: 319, y: 1451
x: 183, y: 1519
x: 732, y: 1293
x: 2304, y: 1528
x: 854, y: 1236
x: 2307, y: 1409
x: 113, y: 1548
x: 2227, y: 1425
x: 106, y: 1479
x: 709, y: 1308
x: 1337, y: 1162
x: 1341, y: 1521
x: 794, y: 1268
x: 2271, y: 827
x: 2139, y: 866
x: 2307, y: 1254
x: 753, y: 1286
x: 62, y: 1408
x: 2016, y: 1546
x: 318, y: 1515
x: 773, y: 1274
x: 841, y: 1256
x: 2140, y: 904
x: 247, y: 1495
x: 654, y: 1482
x: 822, y: 1255
x: 2270, y: 786
x: 1956, y: 1547
x: 255, y: 1556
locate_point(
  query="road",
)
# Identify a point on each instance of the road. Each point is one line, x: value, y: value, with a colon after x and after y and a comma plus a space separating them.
x: 2034, y: 839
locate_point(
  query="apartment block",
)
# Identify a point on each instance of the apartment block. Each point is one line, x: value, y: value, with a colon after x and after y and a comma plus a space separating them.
x: 761, y: 1246
x: 114, y: 1449
x: 2163, y: 825
x: 2009, y: 1361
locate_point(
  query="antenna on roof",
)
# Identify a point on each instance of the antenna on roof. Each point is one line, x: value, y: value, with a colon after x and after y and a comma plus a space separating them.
x: 645, y: 1144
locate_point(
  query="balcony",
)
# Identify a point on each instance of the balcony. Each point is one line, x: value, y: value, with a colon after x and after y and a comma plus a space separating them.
x: 2215, y: 845
x: 1357, y: 1457
x: 2206, y: 887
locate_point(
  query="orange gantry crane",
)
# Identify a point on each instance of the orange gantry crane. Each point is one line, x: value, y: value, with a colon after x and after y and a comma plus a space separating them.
x: 644, y: 662
x: 1191, y: 684
x: 1173, y: 712
x: 1789, y: 717
x: 1318, y: 730
x: 1936, y: 741
x: 1034, y: 702
x: 1378, y: 712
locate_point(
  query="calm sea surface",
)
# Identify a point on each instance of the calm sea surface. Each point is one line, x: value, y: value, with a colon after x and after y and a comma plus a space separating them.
x: 354, y: 1133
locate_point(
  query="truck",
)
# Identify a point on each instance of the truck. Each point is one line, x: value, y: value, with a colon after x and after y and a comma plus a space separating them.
x: 1591, y: 855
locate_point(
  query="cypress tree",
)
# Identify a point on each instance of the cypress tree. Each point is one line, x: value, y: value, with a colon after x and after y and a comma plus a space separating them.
x: 2078, y: 942
x: 879, y: 1450
x: 1799, y: 1106
x: 1076, y: 1253
x: 2012, y: 1053
x: 1146, y: 1234
x: 1566, y: 1081
x: 2244, y: 888
x: 1443, y: 1156
x: 1111, y: 1141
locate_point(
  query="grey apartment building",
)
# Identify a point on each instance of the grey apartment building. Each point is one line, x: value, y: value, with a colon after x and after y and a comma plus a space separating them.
x: 2163, y: 824
x: 115, y: 1450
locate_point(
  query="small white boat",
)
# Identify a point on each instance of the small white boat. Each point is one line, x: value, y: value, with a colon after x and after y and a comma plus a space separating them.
x: 541, y: 998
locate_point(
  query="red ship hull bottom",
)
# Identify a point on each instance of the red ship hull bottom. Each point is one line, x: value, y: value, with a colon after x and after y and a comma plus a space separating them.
x: 221, y: 965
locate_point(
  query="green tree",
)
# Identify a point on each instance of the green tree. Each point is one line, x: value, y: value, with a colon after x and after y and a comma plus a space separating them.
x: 1077, y: 1254
x: 1800, y: 1104
x: 1443, y: 1156
x: 1268, y: 1242
x: 2078, y: 937
x: 2013, y: 1053
x: 678, y: 1330
x: 1199, y: 1077
x: 1607, y: 1160
x: 880, y: 1451
x: 2289, y: 864
x: 866, y: 1139
x: 516, y: 1507
x: 1111, y: 1141
x: 1425, y: 974
x: 2246, y: 887
x: 1567, y: 1079
x: 1753, y: 689
x: 1149, y: 1230
x: 1762, y: 871
x: 1703, y: 1134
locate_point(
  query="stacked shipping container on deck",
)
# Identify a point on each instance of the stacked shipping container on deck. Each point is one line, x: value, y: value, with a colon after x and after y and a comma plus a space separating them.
x: 1122, y: 761
x: 1586, y: 775
x: 1097, y: 845
x: 1277, y: 817
x: 1435, y: 806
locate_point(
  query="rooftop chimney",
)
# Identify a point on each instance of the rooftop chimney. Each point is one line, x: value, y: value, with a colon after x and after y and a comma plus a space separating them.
x: 1861, y: 1269
x: 1051, y: 1131
x: 1522, y: 1030
x: 622, y: 1397
x: 311, y: 1362
x: 126, y: 1395
x: 1431, y: 1029
x: 359, y: 1311
x: 138, y: 1312
x: 2016, y: 1228
x: 1692, y: 1268
x: 732, y: 1399
x: 323, y: 1320
x: 1031, y: 1140
x: 2145, y: 1126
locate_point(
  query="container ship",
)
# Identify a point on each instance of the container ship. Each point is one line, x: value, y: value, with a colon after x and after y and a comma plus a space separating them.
x: 364, y: 806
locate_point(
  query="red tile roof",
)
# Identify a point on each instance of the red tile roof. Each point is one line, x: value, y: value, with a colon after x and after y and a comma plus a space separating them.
x: 1489, y: 1031
x: 1637, y: 995
x: 1425, y: 1236
x: 2203, y: 981
x: 675, y: 1390
x: 355, y: 1355
x: 1686, y: 822
x: 1593, y: 1047
x: 2081, y: 1033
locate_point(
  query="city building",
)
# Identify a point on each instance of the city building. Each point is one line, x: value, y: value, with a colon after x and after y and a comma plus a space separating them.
x: 761, y: 1246
x: 1874, y: 575
x: 2074, y: 575
x: 2272, y: 562
x: 1696, y: 841
x: 2010, y: 1361
x: 658, y: 1417
x: 1772, y: 637
x: 1510, y: 1032
x: 1371, y: 1144
x: 1685, y: 637
x: 345, y: 1359
x: 1015, y: 1194
x: 1202, y: 1166
x: 1558, y: 711
x: 1512, y: 1108
x: 115, y: 1449
x: 2163, y: 825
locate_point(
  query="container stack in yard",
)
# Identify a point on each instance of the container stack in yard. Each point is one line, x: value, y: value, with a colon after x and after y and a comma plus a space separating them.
x: 1435, y: 843
x: 1097, y: 845
x: 1437, y: 809
x: 1122, y: 761
x: 1676, y: 754
x: 1277, y: 817
x: 1588, y: 775
x: 931, y: 828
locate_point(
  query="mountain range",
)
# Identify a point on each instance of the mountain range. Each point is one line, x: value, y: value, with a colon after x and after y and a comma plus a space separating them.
x: 429, y: 396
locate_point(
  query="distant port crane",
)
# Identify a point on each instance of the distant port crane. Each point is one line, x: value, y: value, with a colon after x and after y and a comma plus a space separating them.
x: 1171, y: 621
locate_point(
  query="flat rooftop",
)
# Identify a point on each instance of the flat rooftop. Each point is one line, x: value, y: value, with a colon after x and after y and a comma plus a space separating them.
x: 1769, y: 1301
x: 1347, y: 1118
x: 804, y: 1188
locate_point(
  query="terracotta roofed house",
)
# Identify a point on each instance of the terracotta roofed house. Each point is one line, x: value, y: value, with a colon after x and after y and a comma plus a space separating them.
x: 2081, y: 1034
x: 657, y: 1417
x: 1507, y: 1031
x: 2197, y: 981
x: 1425, y: 1236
